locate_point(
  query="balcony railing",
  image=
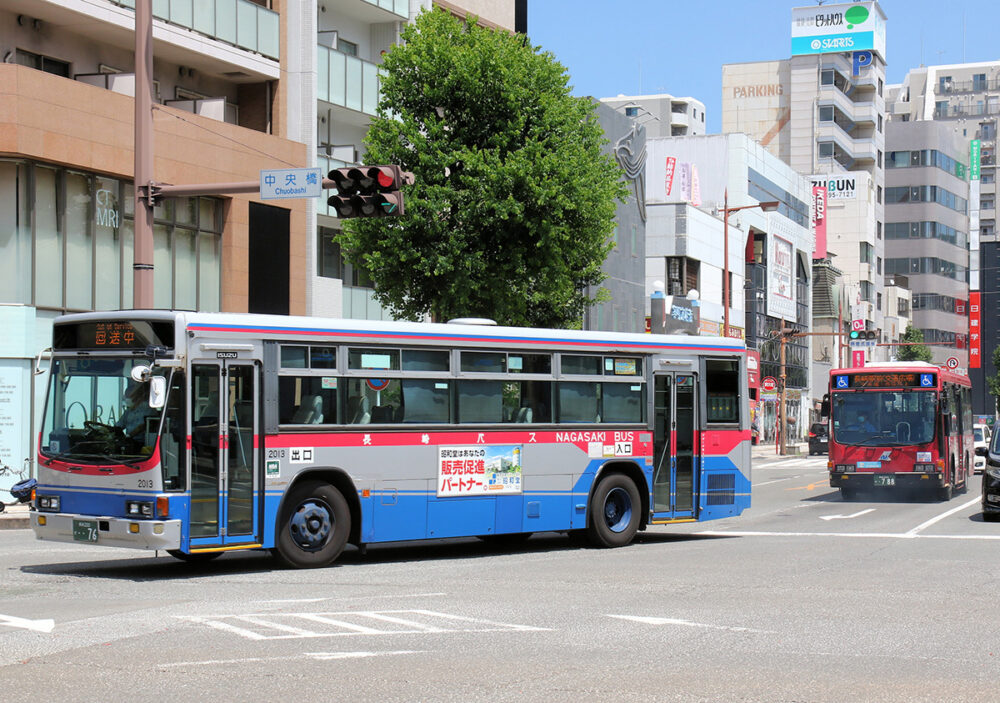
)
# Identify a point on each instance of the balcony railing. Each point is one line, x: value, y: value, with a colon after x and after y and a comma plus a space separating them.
x: 123, y: 83
x: 967, y: 110
x: 346, y: 80
x: 397, y: 7
x: 973, y: 86
x: 241, y: 23
x: 216, y: 108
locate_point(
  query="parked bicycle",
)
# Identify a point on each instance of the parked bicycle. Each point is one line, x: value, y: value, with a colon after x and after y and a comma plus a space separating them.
x: 21, y: 491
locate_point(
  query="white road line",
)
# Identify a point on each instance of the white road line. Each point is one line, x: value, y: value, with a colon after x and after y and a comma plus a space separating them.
x: 852, y: 535
x: 366, y: 598
x: 22, y: 623
x: 847, y: 517
x: 684, y: 623
x: 320, y: 656
x: 345, y: 624
x: 777, y: 480
x: 942, y: 516
x: 318, y: 617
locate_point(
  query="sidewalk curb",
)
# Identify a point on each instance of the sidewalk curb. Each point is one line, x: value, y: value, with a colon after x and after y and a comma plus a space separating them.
x: 15, y: 518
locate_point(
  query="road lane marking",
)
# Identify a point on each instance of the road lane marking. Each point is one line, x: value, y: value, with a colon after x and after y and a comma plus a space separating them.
x: 34, y: 625
x: 924, y: 525
x: 810, y: 487
x: 777, y: 480
x: 279, y: 626
x: 685, y: 623
x: 319, y: 656
x: 847, y: 517
x: 852, y: 535
x: 280, y: 601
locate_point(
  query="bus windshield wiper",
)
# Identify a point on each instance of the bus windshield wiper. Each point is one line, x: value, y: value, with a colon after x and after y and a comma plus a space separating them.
x: 49, y: 458
x: 120, y: 460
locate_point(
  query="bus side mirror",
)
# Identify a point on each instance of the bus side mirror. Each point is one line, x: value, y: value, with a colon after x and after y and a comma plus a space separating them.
x: 157, y: 392
x: 824, y: 408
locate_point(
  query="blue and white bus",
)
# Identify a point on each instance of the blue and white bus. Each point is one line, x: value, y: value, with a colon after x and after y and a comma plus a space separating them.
x: 201, y: 433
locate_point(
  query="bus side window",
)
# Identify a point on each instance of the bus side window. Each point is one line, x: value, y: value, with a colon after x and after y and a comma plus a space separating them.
x: 722, y: 387
x: 173, y: 440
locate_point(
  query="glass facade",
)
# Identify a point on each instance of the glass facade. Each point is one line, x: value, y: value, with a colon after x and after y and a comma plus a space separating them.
x: 68, y: 243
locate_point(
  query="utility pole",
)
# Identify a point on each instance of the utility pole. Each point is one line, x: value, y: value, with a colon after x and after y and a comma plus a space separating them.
x: 782, y: 420
x: 142, y: 261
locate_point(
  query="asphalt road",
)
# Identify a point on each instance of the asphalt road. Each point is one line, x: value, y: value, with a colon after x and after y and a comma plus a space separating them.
x: 803, y: 598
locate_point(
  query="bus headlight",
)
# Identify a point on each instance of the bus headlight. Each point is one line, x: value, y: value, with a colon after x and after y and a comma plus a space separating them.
x: 138, y: 508
x: 48, y: 503
x: 845, y: 468
x: 924, y: 468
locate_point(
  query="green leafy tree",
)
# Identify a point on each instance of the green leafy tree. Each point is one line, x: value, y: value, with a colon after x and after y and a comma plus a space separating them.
x: 913, y: 352
x: 513, y: 204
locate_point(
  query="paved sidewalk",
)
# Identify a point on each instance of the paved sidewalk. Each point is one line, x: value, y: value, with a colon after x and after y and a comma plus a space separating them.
x: 769, y: 451
x: 15, y: 517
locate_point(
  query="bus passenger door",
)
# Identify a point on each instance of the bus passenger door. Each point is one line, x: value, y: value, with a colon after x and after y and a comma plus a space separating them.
x: 674, y: 447
x: 225, y: 482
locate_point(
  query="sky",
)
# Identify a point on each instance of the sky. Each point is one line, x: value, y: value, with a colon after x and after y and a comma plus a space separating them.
x: 644, y: 47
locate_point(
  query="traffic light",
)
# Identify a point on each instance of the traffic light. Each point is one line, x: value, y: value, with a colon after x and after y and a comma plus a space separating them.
x: 368, y: 191
x: 864, y: 335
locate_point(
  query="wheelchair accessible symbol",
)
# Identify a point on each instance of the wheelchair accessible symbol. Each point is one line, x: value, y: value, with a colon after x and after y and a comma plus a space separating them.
x: 841, y: 381
x: 926, y: 380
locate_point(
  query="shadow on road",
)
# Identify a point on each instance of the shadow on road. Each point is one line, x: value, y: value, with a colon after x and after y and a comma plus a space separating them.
x: 166, y: 568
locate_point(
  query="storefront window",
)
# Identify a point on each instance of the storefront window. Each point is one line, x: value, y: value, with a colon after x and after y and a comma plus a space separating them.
x: 15, y: 234
x: 79, y: 243
x: 48, y: 242
x: 108, y: 274
x: 74, y: 250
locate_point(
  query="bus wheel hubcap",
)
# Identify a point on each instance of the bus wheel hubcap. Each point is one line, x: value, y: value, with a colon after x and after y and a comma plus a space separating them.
x: 311, y: 525
x: 618, y: 509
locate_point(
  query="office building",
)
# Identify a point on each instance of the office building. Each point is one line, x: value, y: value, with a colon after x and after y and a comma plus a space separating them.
x: 966, y: 98
x: 926, y: 230
x: 662, y: 115
x: 221, y: 112
x: 822, y: 112
x: 689, y: 183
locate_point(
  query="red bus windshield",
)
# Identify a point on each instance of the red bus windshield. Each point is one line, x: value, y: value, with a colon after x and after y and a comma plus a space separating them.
x: 883, y: 418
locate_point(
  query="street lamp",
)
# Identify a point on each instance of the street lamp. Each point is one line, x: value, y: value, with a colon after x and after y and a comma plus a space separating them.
x: 768, y: 206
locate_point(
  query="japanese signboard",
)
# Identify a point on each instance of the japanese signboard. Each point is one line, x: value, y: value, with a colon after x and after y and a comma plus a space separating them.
x: 819, y: 221
x: 291, y: 183
x: 975, y: 341
x: 824, y: 29
x: 781, y: 279
x: 479, y: 470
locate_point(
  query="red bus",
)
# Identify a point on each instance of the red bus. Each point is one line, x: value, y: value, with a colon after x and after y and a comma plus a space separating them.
x: 899, y: 425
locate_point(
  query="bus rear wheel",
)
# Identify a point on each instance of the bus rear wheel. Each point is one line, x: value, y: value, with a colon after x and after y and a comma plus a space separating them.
x: 314, y: 524
x: 614, y: 512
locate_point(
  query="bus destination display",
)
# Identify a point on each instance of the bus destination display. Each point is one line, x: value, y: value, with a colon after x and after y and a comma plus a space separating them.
x: 113, y: 335
x: 887, y: 380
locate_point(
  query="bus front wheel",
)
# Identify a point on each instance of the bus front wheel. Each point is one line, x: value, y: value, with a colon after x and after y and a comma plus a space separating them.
x: 313, y: 527
x: 614, y: 512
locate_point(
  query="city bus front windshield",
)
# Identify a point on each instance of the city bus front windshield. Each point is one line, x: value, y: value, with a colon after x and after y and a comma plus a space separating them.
x: 884, y: 418
x: 95, y: 413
